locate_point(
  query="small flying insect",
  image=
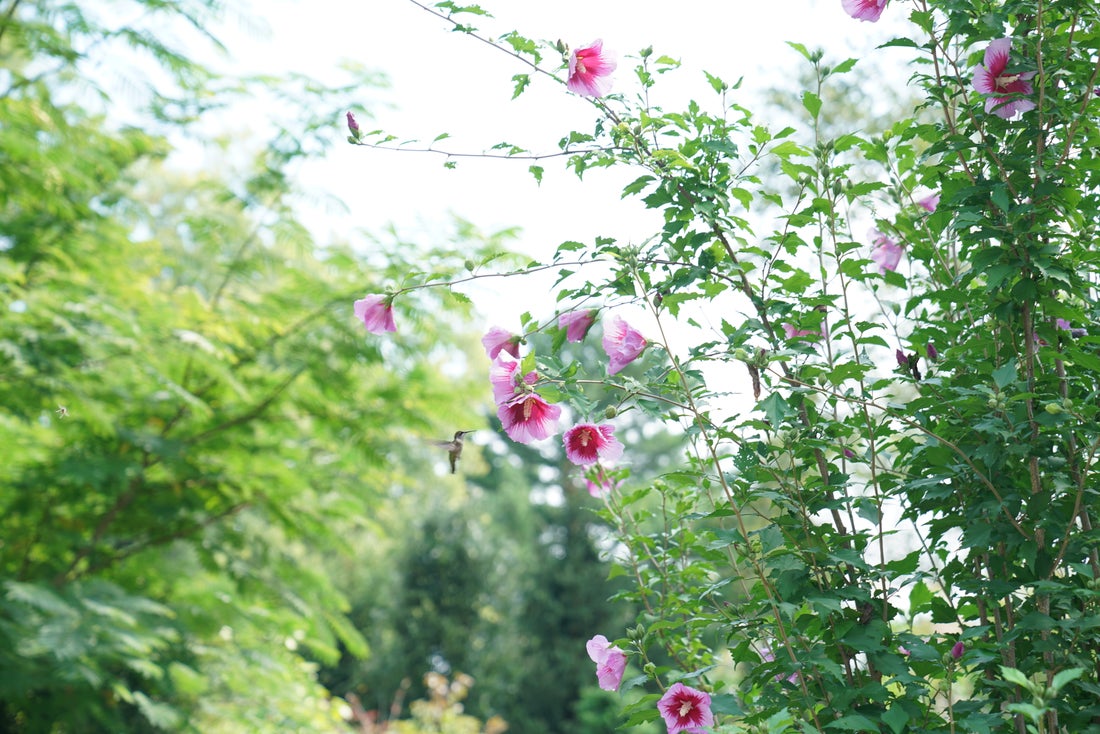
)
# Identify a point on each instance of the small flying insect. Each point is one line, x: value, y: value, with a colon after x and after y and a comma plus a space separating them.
x: 62, y: 411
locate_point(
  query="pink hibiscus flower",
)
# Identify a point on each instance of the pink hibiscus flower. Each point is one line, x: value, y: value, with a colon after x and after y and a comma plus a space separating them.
x: 622, y: 343
x: 586, y: 444
x: 990, y: 78
x: 590, y: 70
x: 528, y: 417
x: 930, y: 202
x: 685, y: 709
x: 864, y: 9
x: 376, y: 312
x: 610, y: 662
x: 497, y: 340
x: 793, y: 332
x: 577, y: 324
x: 506, y: 380
x: 887, y: 253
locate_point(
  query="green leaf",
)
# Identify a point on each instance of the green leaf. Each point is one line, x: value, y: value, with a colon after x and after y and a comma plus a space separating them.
x: 853, y: 722
x: 1005, y: 375
x: 812, y: 103
x: 896, y: 718
x: 522, y: 81
x: 1012, y: 675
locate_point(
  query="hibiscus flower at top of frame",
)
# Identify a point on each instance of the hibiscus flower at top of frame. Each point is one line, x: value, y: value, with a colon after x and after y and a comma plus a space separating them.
x: 870, y: 10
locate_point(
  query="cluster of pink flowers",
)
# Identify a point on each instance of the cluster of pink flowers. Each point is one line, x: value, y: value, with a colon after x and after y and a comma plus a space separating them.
x: 610, y: 662
x: 683, y: 708
x: 524, y: 414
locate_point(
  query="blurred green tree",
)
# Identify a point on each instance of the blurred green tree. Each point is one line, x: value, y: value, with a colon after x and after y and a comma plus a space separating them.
x: 190, y: 418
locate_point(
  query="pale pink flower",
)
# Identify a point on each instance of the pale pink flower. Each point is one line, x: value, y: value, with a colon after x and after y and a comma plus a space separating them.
x: 587, y: 443
x: 497, y: 340
x: 577, y: 324
x: 622, y: 343
x: 792, y: 332
x: 887, y: 252
x: 991, y: 78
x: 506, y: 381
x: 930, y: 202
x: 598, y: 482
x: 376, y: 312
x: 528, y: 417
x: 610, y: 662
x: 768, y: 656
x: 864, y: 9
x: 590, y: 70
x: 685, y: 709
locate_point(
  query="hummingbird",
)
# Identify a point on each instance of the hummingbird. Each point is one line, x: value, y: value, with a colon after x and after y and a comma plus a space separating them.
x: 454, y: 447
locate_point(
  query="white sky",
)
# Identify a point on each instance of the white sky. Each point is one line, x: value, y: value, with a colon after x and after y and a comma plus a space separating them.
x: 446, y: 82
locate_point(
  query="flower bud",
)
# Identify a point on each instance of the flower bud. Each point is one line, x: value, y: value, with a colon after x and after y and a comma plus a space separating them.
x: 1053, y: 408
x: 958, y: 650
x: 610, y: 412
x: 353, y: 126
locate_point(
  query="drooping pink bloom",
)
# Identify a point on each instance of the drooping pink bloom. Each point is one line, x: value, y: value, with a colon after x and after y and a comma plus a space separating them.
x: 610, y: 662
x: 685, y: 709
x: 864, y: 9
x: 577, y: 324
x: 930, y: 202
x: 622, y: 343
x: 376, y: 311
x: 506, y: 381
x: 887, y: 253
x: 497, y: 340
x: 528, y: 417
x: 598, y: 482
x: 590, y: 70
x: 586, y: 443
x: 991, y: 77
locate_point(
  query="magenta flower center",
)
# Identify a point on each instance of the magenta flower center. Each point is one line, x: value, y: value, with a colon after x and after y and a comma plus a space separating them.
x: 685, y: 709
